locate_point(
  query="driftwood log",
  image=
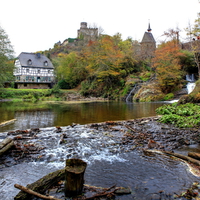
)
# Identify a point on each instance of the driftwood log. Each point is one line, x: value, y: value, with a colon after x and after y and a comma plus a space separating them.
x: 29, y: 191
x: 42, y: 184
x: 5, y: 145
x: 7, y: 122
x: 183, y: 157
x: 74, y: 177
x: 194, y: 155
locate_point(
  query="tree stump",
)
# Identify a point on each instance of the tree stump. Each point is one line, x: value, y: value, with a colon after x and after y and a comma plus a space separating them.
x: 74, y: 177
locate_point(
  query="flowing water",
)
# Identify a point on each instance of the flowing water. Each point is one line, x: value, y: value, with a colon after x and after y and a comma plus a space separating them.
x: 109, y: 163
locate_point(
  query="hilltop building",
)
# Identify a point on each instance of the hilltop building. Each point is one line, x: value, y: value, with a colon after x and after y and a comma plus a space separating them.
x: 33, y: 71
x: 148, y: 44
x: 86, y: 33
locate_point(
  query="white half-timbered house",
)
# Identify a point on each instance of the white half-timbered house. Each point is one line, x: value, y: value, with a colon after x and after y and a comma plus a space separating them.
x: 33, y: 71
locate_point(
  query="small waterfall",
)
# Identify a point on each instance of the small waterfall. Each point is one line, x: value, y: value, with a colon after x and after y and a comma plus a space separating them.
x: 190, y: 78
x: 190, y: 87
x: 191, y: 82
x: 130, y: 93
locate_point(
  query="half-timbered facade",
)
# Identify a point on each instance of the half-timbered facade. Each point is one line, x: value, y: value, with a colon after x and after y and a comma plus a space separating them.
x: 33, y: 71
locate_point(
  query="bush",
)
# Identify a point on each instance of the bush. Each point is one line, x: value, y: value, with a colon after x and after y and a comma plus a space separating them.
x: 56, y: 91
x: 63, y: 84
x: 168, y: 96
x: 183, y: 116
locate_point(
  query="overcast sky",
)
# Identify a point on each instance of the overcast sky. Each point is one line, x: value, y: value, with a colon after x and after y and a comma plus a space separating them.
x: 37, y: 25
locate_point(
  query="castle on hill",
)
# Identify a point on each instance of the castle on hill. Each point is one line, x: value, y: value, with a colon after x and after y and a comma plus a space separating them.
x: 146, y: 48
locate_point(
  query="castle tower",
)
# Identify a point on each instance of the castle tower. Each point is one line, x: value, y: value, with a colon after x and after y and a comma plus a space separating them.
x: 86, y: 33
x: 83, y: 24
x: 148, y: 44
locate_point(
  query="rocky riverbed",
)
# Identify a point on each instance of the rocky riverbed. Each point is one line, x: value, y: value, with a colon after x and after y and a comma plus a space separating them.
x: 114, y: 144
x: 137, y: 134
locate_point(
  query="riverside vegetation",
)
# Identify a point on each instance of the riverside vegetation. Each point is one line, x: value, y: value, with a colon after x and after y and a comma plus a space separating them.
x: 32, y: 95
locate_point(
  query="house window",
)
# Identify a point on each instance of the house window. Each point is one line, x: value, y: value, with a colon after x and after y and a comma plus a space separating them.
x: 27, y: 70
x: 49, y: 71
x: 38, y: 71
x: 45, y: 63
x: 29, y: 62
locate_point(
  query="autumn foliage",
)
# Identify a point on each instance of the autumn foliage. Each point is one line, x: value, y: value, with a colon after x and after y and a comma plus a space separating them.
x: 107, y: 64
x: 167, y: 66
x: 101, y: 66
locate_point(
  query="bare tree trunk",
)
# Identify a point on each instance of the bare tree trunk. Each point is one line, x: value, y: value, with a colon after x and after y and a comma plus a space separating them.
x: 197, y: 61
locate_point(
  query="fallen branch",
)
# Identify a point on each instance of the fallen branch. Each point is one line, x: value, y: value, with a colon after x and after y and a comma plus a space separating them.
x: 6, y: 145
x: 194, y: 155
x: 42, y: 184
x: 116, y: 191
x: 130, y: 128
x: 5, y: 142
x: 29, y: 191
x: 107, y: 189
x: 7, y: 122
x: 186, y: 158
x: 102, y: 194
x: 183, y: 157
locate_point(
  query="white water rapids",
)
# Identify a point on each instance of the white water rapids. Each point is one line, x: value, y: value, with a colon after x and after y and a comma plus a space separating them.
x: 109, y: 163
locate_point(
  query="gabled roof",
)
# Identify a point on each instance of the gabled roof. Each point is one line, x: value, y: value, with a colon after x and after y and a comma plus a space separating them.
x: 148, y: 37
x: 37, y: 60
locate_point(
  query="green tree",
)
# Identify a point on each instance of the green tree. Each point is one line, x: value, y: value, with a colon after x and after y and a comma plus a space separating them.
x: 6, y: 57
x: 194, y: 33
x: 70, y: 69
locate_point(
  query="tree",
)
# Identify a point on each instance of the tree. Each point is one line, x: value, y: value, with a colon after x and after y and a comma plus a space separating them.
x: 194, y: 35
x: 108, y: 61
x: 6, y: 52
x: 167, y: 66
x: 70, y: 70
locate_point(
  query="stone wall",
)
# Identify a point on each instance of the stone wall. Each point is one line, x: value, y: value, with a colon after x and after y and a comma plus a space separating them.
x: 33, y: 86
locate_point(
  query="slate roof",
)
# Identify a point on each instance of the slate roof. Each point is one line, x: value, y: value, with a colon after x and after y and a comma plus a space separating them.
x: 148, y: 37
x: 37, y: 60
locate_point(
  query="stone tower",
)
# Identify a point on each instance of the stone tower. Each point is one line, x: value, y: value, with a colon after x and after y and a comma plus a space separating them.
x: 148, y: 44
x: 86, y: 33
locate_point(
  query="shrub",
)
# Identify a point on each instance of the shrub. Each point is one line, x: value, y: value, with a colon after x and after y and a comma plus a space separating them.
x: 168, y: 96
x: 183, y: 116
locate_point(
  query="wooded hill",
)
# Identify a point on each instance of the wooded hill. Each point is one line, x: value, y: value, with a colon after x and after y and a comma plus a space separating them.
x: 110, y: 67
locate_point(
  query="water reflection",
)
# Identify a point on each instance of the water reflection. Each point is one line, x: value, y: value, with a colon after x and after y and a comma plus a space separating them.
x: 39, y: 115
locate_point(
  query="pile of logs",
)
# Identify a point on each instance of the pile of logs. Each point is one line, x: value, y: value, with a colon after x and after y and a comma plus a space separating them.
x: 17, y: 148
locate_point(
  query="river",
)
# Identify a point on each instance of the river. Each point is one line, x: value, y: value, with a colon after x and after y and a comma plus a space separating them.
x: 149, y: 177
x: 48, y: 114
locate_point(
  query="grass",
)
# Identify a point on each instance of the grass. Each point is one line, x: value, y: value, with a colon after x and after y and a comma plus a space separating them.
x: 34, y: 95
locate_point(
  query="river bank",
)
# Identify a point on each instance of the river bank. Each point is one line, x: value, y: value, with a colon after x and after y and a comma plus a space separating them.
x: 102, y: 145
